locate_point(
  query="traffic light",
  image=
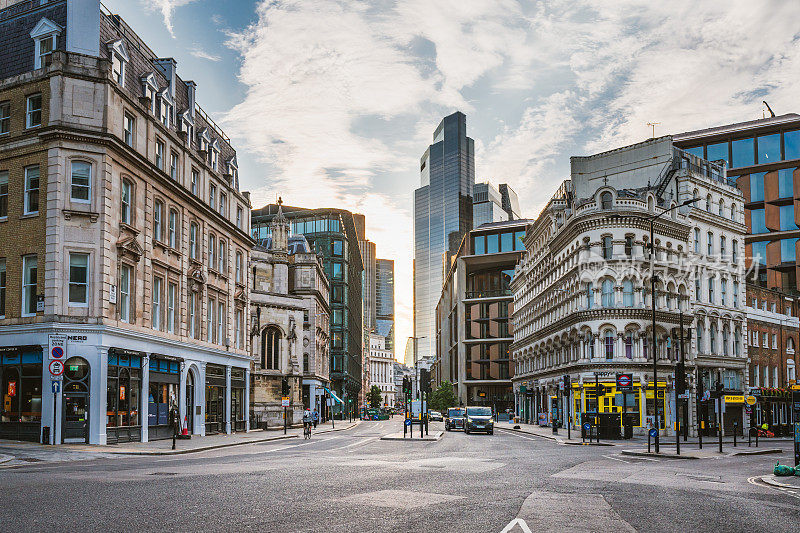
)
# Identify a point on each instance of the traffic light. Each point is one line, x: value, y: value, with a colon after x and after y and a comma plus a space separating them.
x: 600, y: 390
x: 285, y: 386
x: 680, y: 378
x: 719, y: 388
x: 406, y: 385
x: 425, y: 380
x: 567, y: 383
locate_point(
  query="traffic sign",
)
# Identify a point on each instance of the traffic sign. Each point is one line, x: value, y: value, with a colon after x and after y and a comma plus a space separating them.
x: 624, y: 381
x: 684, y: 396
x: 408, y: 421
x: 58, y: 346
x: 56, y: 368
x: 57, y: 352
x: 587, y: 426
x: 285, y: 401
x: 750, y: 400
x: 56, y: 385
x: 654, y: 432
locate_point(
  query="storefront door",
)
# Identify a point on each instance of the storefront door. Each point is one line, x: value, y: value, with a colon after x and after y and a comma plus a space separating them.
x: 190, y: 402
x: 76, y: 417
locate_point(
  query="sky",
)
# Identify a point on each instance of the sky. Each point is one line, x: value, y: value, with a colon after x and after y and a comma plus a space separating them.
x: 331, y: 103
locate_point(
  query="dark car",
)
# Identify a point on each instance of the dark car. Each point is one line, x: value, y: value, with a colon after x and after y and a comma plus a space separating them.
x: 454, y: 419
x: 478, y: 419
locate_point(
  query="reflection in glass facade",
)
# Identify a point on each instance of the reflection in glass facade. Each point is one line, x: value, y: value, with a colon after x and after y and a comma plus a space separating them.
x: 788, y: 247
x: 442, y: 215
x: 757, y: 222
x: 786, y: 183
x: 384, y: 301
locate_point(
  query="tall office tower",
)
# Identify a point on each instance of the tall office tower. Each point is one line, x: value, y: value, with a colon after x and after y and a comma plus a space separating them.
x: 384, y: 301
x: 487, y: 205
x: 367, y: 249
x: 442, y: 215
x: 509, y: 201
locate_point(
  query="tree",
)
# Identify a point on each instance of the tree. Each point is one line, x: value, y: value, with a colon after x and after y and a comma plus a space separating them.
x: 375, y: 397
x: 443, y: 397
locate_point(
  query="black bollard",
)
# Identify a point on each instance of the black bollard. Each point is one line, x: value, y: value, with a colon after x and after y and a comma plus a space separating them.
x: 648, y: 442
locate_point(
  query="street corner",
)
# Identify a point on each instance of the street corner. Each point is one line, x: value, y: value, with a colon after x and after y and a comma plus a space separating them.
x: 663, y: 455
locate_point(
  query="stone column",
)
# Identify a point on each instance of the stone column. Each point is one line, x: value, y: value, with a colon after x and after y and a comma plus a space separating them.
x: 182, y: 415
x: 98, y: 397
x: 228, y: 399
x: 144, y: 397
x: 200, y: 428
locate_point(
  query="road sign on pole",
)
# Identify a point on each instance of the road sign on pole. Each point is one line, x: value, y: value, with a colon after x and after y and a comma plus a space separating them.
x: 57, y: 347
x: 56, y: 385
x: 56, y: 368
x: 285, y: 401
x: 624, y: 382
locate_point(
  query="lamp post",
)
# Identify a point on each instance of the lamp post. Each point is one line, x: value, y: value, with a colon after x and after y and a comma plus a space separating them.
x: 653, y: 279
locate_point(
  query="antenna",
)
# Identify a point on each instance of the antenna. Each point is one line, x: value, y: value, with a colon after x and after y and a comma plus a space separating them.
x: 653, y: 125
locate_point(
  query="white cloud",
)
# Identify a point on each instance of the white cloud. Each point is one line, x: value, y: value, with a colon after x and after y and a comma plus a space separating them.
x: 167, y: 9
x: 342, y: 96
x: 198, y: 52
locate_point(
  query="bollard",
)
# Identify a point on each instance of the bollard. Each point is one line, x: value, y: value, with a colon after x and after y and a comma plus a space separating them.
x: 735, y: 428
x: 749, y: 437
x: 756, y: 437
x: 648, y: 442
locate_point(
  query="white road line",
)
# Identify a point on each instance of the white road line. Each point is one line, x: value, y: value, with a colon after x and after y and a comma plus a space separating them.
x: 507, y: 432
x: 616, y: 459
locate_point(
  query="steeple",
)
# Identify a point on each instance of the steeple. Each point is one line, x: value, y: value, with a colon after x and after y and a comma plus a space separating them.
x: 280, y: 230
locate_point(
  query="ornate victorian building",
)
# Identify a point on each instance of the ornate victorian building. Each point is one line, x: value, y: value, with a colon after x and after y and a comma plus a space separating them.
x: 582, y: 297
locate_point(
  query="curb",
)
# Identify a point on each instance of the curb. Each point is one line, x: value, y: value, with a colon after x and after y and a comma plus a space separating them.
x: 770, y: 480
x: 634, y: 453
x: 5, y: 458
x: 351, y: 426
x: 195, y: 450
x: 766, y: 451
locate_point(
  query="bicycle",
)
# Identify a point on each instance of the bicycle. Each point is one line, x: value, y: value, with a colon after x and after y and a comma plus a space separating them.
x: 306, y: 430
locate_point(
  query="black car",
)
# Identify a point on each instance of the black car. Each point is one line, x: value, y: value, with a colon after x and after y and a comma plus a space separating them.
x: 478, y: 419
x: 454, y: 419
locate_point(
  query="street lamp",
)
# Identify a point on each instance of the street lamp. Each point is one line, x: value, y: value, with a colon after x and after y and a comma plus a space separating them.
x: 652, y: 220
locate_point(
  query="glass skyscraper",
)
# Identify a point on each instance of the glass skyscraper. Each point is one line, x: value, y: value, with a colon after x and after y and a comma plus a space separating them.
x: 442, y: 215
x: 384, y: 301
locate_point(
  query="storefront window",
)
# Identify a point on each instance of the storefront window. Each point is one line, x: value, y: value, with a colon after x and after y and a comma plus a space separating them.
x: 215, y: 398
x: 162, y: 395
x: 124, y: 387
x: 21, y: 391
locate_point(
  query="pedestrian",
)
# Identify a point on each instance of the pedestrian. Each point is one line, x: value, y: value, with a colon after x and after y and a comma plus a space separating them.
x: 315, y: 418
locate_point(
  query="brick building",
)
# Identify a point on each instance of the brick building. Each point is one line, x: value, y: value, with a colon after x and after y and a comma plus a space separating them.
x: 772, y: 325
x: 124, y: 238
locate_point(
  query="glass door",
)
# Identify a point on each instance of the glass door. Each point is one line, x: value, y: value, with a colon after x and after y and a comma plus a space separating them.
x: 76, y: 417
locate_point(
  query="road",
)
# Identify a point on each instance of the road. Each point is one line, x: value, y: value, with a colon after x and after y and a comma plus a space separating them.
x: 351, y: 481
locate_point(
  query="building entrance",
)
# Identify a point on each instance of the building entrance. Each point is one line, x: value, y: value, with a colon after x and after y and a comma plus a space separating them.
x: 190, y: 402
x: 76, y: 417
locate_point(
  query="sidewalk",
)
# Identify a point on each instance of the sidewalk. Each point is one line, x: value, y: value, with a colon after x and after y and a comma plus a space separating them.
x: 164, y: 447
x: 435, y: 433
x: 547, y: 433
x: 705, y: 453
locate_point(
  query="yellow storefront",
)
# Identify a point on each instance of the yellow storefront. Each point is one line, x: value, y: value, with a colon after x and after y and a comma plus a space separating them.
x: 585, y: 401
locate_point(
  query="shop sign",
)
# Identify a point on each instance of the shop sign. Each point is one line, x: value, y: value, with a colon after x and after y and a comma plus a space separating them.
x: 112, y: 294
x: 734, y: 398
x: 57, y: 347
x: 750, y: 400
x: 122, y: 393
x: 795, y: 387
x: 624, y: 382
x: 12, y: 388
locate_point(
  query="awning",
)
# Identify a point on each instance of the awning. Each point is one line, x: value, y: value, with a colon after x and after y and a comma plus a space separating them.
x: 333, y: 395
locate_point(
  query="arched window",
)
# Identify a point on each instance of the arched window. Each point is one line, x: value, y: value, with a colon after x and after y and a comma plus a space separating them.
x: 172, y: 229
x: 737, y: 342
x: 701, y: 331
x: 270, y: 349
x: 589, y: 295
x: 608, y: 343
x: 721, y: 207
x: 733, y: 212
x: 708, y: 203
x: 193, y: 229
x: 608, y: 247
x: 627, y: 293
x: 725, y: 338
x: 712, y: 339
x: 790, y: 344
x: 606, y: 200
x: 608, y: 293
x: 629, y: 345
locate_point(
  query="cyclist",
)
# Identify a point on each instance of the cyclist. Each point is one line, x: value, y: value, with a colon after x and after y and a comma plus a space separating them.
x: 307, y: 421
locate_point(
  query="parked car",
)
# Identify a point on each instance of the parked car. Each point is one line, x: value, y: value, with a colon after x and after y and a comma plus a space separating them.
x: 454, y: 419
x: 435, y: 416
x: 478, y: 419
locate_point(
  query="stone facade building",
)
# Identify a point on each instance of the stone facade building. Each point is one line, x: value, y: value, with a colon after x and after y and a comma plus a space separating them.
x: 289, y: 312
x: 381, y: 370
x: 124, y: 238
x: 582, y: 293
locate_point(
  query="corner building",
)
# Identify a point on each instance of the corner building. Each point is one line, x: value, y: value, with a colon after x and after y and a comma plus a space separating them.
x: 124, y: 238
x: 582, y: 293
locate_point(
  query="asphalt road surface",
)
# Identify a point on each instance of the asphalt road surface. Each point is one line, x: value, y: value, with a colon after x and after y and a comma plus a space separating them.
x: 351, y: 481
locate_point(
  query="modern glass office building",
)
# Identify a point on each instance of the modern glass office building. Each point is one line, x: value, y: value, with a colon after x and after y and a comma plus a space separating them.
x: 332, y: 235
x: 763, y: 156
x: 442, y: 216
x: 384, y: 301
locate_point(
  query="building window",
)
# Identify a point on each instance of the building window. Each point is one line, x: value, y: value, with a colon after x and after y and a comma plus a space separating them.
x: 765, y: 339
x: 270, y: 349
x: 44, y: 49
x: 774, y: 341
x: 608, y: 247
x: 606, y: 200
x: 158, y: 217
x: 173, y: 166
x: 3, y: 194
x: 29, y: 285
x: 78, y: 279
x: 212, y: 250
x: 172, y: 290
x: 212, y: 195
x: 160, y: 154
x: 609, y: 344
x: 210, y: 320
x: 736, y: 294
x: 195, y: 182
x: 723, y: 287
x: 710, y: 290
x: 118, y: 69
x: 81, y: 177
x: 223, y: 205
x: 221, y: 323
x: 192, y: 314
x: 589, y: 295
x: 627, y: 293
x: 735, y: 254
x: 239, y: 214
x: 697, y: 290
x: 158, y: 287
x: 31, y: 190
x: 193, y: 241
x: 33, y: 115
x: 708, y: 203
x: 629, y: 345
x: 128, y: 129
x: 5, y: 117
x: 607, y: 293
x: 788, y: 250
x: 238, y: 267
x: 722, y: 246
x: 2, y: 288
x: 173, y: 229
x: 238, y: 329
x: 712, y: 338
x: 125, y: 203
x: 125, y: 293
x: 222, y: 258
x: 710, y: 243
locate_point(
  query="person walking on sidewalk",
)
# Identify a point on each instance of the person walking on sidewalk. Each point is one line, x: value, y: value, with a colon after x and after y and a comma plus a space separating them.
x: 315, y: 418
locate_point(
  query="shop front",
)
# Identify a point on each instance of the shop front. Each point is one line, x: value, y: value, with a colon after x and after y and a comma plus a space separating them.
x: 773, y: 408
x: 636, y: 409
x: 123, y: 398
x: 238, y: 415
x: 162, y: 397
x: 21, y: 389
x: 215, y: 399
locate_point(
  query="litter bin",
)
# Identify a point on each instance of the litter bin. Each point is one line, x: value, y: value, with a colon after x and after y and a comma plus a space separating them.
x: 46, y: 435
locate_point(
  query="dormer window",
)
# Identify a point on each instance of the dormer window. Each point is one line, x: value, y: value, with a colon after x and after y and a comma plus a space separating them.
x: 165, y: 107
x: 149, y: 90
x: 185, y: 123
x: 203, y: 140
x: 44, y: 35
x: 119, y: 58
x: 213, y: 155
